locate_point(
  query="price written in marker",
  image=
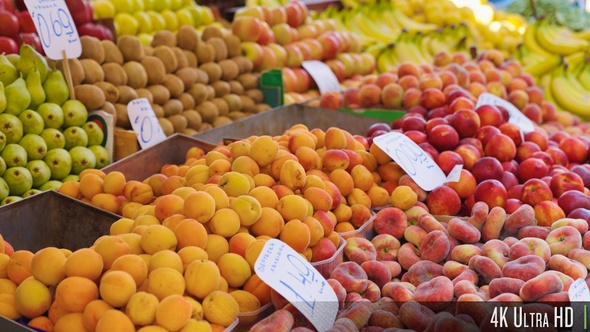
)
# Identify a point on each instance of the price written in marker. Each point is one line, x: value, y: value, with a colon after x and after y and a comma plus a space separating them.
x: 578, y: 291
x: 516, y: 116
x: 283, y: 269
x: 145, y: 123
x: 414, y: 161
x: 55, y: 27
x: 322, y: 75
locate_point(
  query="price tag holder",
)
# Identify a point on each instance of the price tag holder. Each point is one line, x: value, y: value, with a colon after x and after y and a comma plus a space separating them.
x: 56, y: 28
x: 414, y: 161
x: 578, y: 291
x: 145, y: 123
x: 283, y: 269
x: 322, y: 75
x: 516, y: 116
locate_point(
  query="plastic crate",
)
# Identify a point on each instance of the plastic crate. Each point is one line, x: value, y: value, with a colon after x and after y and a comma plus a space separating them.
x: 326, y: 266
x: 366, y: 230
x: 248, y: 319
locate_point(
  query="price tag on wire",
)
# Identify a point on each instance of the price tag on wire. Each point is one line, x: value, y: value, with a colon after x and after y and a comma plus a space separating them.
x: 145, y: 123
x: 414, y: 161
x: 56, y: 28
x: 578, y: 291
x: 516, y: 116
x: 283, y: 269
x: 322, y: 75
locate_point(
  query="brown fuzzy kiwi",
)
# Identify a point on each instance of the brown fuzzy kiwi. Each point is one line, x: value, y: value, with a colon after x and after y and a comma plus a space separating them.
x: 109, y: 108
x: 188, y: 102
x: 191, y: 58
x: 111, y: 52
x: 256, y: 95
x: 222, y: 106
x: 221, y: 88
x: 92, y: 49
x: 137, y: 76
x: 131, y: 48
x: 154, y: 68
x: 76, y: 70
x: 193, y: 118
x: 220, y: 48
x: 91, y: 96
x: 249, y: 81
x: 92, y: 71
x: 187, y: 37
x: 111, y: 93
x: 236, y: 87
x: 245, y: 64
x: 160, y: 93
x: 167, y: 126
x: 213, y: 70
x: 166, y: 54
x: 210, y: 92
x: 233, y: 102
x: 247, y: 104
x: 126, y: 94
x: 114, y: 73
x: 199, y: 93
x: 205, y: 53
x: 180, y: 58
x: 174, y: 84
x: 233, y: 44
x: 179, y: 122
x: 188, y: 76
x: 261, y: 108
x: 190, y: 132
x: 172, y: 107
x: 208, y: 111
x: 205, y: 126
x: 202, y: 77
x: 211, y: 32
x: 229, y: 70
x: 148, y: 50
x: 122, y: 119
x: 145, y: 93
x: 164, y: 37
x: 158, y: 110
x: 221, y: 121
x: 236, y: 115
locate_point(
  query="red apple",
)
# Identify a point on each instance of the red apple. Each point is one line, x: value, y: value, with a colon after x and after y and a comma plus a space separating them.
x: 9, y: 26
x: 8, y: 45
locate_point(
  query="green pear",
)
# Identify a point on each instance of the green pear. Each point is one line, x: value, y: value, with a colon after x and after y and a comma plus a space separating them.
x: 18, y: 97
x: 2, y: 166
x: 2, y: 140
x: 75, y: 113
x: 52, y: 114
x: 2, y: 98
x: 53, y: 138
x: 94, y: 132
x: 19, y: 180
x: 51, y: 185
x: 13, y: 58
x: 71, y: 177
x: 31, y: 192
x: 14, y: 155
x: 82, y: 158
x: 12, y: 128
x: 75, y: 136
x: 4, y: 189
x: 8, y: 72
x: 39, y: 171
x: 56, y: 88
x: 101, y: 154
x: 30, y: 59
x: 10, y: 199
x: 34, y: 145
x: 59, y: 162
x: 35, y: 88
x: 32, y: 122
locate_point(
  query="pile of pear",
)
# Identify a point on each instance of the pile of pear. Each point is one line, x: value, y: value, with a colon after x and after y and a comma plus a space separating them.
x: 194, y: 80
x: 45, y: 137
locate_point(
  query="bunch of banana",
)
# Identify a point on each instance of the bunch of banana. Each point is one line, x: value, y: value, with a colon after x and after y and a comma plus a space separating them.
x: 570, y: 89
x: 557, y: 39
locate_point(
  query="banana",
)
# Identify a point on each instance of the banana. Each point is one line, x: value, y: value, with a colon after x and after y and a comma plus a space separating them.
x: 582, y: 34
x: 584, y: 76
x: 568, y: 93
x: 542, y: 67
x: 410, y: 24
x: 530, y: 40
x: 558, y: 40
x: 385, y: 59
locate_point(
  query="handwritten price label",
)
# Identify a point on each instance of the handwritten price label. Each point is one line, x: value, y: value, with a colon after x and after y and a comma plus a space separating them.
x: 322, y: 75
x: 55, y: 27
x: 283, y: 269
x: 578, y: 291
x: 414, y: 161
x: 145, y: 123
x: 516, y: 116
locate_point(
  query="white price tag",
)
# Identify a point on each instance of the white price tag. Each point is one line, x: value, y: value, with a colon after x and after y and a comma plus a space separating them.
x: 516, y: 116
x: 578, y: 291
x: 145, y: 123
x: 283, y: 269
x: 55, y: 27
x: 322, y: 75
x: 414, y: 161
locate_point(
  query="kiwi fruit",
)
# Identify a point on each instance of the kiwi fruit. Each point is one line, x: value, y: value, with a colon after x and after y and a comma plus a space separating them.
x: 220, y: 48
x: 180, y: 58
x: 111, y: 52
x: 221, y: 88
x: 110, y: 109
x: 91, y: 96
x: 205, y: 53
x: 148, y: 50
x: 160, y: 93
x: 187, y: 37
x: 261, y: 108
x: 76, y: 70
x: 166, y: 54
x: 167, y: 126
x: 111, y: 93
x: 233, y: 45
x: 137, y: 76
x: 190, y: 131
x: 247, y: 104
x: 188, y: 102
x: 154, y: 68
x: 233, y: 102
x: 122, y: 117
x: 199, y: 93
x: 114, y: 73
x: 211, y: 32
x: 179, y: 122
x: 222, y: 107
x: 131, y: 48
x: 202, y: 77
x: 236, y: 87
x: 213, y: 71
x: 164, y: 37
x: 158, y: 110
x: 92, y: 49
x: 92, y: 71
x: 191, y: 58
x: 208, y: 111
x: 188, y: 76
x: 193, y: 118
x: 145, y: 93
x: 174, y: 84
x: 245, y: 64
x: 229, y: 70
x: 236, y: 115
x: 256, y: 95
x: 172, y: 107
x: 249, y: 81
x: 210, y: 92
x: 126, y: 94
x: 205, y: 126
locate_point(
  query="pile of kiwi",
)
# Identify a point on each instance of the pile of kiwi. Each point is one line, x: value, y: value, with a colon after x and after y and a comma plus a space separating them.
x: 194, y: 80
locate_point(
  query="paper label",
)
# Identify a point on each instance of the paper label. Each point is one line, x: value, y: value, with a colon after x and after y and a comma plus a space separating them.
x: 414, y: 161
x: 322, y: 75
x: 283, y: 269
x: 145, y: 123
x: 55, y: 27
x: 516, y: 116
x: 578, y: 291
